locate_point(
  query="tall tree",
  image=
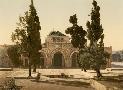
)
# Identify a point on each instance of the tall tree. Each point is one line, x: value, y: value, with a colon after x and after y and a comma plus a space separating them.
x: 27, y: 36
x: 33, y: 27
x: 95, y: 36
x: 77, y: 38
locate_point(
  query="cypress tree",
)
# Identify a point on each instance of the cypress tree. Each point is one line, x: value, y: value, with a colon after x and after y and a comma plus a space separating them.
x: 27, y: 36
x: 33, y: 28
x: 95, y: 36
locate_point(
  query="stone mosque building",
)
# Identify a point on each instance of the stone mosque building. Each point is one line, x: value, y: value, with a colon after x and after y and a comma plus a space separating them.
x: 58, y: 52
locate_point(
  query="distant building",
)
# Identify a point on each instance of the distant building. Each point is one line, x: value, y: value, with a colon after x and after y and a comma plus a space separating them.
x: 58, y: 52
x: 117, y: 56
x: 109, y: 50
x: 4, y: 58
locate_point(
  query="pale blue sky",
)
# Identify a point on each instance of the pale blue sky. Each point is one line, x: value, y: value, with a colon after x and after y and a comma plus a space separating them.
x: 55, y: 14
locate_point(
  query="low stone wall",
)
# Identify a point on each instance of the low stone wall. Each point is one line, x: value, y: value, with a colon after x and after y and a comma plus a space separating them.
x: 6, y: 69
x: 59, y: 71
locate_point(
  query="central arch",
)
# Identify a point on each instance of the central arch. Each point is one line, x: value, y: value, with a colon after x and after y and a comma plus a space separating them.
x: 57, y: 60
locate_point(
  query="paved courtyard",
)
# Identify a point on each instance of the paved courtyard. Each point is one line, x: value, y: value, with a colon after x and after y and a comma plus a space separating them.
x: 78, y: 81
x: 46, y: 83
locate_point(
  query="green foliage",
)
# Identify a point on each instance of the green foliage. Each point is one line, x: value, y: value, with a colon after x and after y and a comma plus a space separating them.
x: 85, y: 58
x: 56, y: 33
x: 78, y: 40
x: 77, y: 33
x: 98, y: 59
x: 116, y: 57
x: 95, y: 35
x: 13, y: 54
x: 20, y: 36
x: 27, y: 35
x: 33, y: 27
x: 95, y: 30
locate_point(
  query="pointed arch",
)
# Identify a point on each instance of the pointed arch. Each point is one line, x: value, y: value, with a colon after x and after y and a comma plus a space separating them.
x: 73, y: 58
x: 57, y: 61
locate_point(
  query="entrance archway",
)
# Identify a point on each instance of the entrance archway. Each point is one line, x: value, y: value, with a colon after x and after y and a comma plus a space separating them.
x: 57, y: 61
x: 74, y: 61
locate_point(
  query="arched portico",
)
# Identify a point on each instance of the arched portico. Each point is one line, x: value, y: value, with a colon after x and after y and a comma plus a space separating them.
x: 62, y: 54
x: 58, y: 60
x: 74, y: 57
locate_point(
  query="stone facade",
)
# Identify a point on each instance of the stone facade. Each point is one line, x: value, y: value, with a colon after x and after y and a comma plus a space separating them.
x: 58, y: 48
x: 58, y: 52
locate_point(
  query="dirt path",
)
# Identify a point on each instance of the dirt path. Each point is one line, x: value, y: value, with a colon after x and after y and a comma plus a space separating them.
x: 4, y: 74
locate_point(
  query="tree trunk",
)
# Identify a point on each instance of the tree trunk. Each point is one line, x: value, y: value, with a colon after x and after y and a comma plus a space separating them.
x: 29, y: 70
x: 84, y: 70
x: 98, y: 73
x: 29, y: 67
x: 34, y: 68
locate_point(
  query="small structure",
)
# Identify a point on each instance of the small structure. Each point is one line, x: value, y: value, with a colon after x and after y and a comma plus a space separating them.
x: 25, y: 59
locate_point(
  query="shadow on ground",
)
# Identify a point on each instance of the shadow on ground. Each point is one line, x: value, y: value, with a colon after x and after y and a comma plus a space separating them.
x: 66, y: 83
